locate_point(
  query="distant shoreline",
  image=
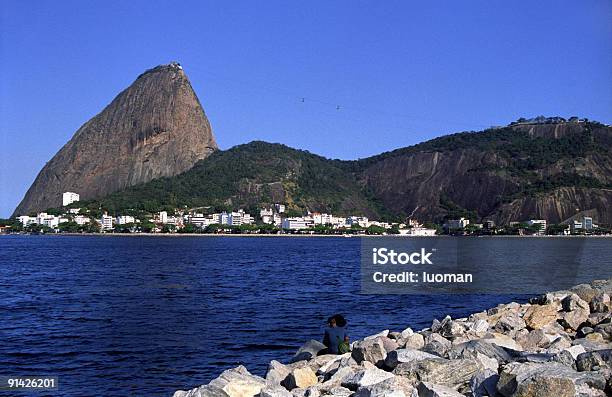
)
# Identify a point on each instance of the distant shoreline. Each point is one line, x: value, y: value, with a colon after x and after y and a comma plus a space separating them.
x: 284, y: 235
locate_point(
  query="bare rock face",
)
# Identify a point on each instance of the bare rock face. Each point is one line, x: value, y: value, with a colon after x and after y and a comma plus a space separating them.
x: 428, y: 179
x: 154, y: 128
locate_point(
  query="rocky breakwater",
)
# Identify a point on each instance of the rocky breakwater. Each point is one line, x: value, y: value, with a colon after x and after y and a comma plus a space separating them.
x: 558, y: 344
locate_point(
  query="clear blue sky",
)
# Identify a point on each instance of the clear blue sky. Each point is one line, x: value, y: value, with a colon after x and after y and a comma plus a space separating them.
x: 401, y: 72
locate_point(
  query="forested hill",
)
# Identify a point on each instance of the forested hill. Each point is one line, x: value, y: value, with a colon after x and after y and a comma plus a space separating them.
x: 551, y: 170
x: 249, y: 175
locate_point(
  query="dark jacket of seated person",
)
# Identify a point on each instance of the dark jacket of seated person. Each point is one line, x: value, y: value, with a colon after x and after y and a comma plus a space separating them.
x: 334, y: 336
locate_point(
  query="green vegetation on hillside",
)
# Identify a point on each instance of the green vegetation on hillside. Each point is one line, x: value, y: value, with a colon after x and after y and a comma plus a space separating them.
x: 257, y: 174
x: 250, y: 175
x: 523, y: 151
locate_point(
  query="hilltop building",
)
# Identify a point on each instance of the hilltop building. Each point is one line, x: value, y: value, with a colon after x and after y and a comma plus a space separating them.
x: 69, y: 198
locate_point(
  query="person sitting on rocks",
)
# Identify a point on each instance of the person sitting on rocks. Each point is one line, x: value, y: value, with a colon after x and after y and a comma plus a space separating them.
x: 336, y: 338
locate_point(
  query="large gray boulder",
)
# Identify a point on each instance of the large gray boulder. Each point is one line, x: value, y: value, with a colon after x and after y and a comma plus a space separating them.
x: 479, y: 327
x: 574, y: 319
x: 471, y: 349
x: 509, y: 323
x: 437, y: 344
x: 392, y: 387
x: 338, y: 377
x: 308, y: 350
x: 274, y: 391
x: 600, y: 303
x: 605, y: 329
x: 406, y: 333
x: 451, y: 373
x: 317, y: 362
x: 371, y: 350
x: 535, y: 339
x: 451, y: 329
x: 366, y: 377
x: 414, y: 341
x: 575, y: 312
x: 239, y: 382
x: 503, y: 341
x: 596, y: 318
x: 594, y: 360
x: 331, y: 366
x: 340, y: 392
x: 399, y: 356
x: 426, y: 389
x: 550, y: 379
x: 585, y: 292
x: 436, y: 325
x: 277, y: 372
x: 202, y: 391
x: 591, y: 344
x: 575, y: 351
x: 236, y: 382
x: 484, y: 383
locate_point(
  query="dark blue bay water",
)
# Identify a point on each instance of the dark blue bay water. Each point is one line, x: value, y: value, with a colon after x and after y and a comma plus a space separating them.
x: 118, y: 316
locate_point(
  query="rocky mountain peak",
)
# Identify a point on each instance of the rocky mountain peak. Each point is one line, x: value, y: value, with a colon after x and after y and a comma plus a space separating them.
x: 154, y: 128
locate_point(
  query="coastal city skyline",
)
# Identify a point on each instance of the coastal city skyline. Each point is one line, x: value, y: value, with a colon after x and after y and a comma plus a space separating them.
x: 273, y: 219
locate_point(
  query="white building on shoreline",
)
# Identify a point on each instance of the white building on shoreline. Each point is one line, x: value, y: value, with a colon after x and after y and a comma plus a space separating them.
x: 538, y: 223
x: 238, y: 218
x: 454, y: 224
x: 294, y: 224
x: 125, y: 219
x: 81, y: 220
x: 360, y: 221
x: 418, y: 232
x: 163, y: 217
x: 106, y: 222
